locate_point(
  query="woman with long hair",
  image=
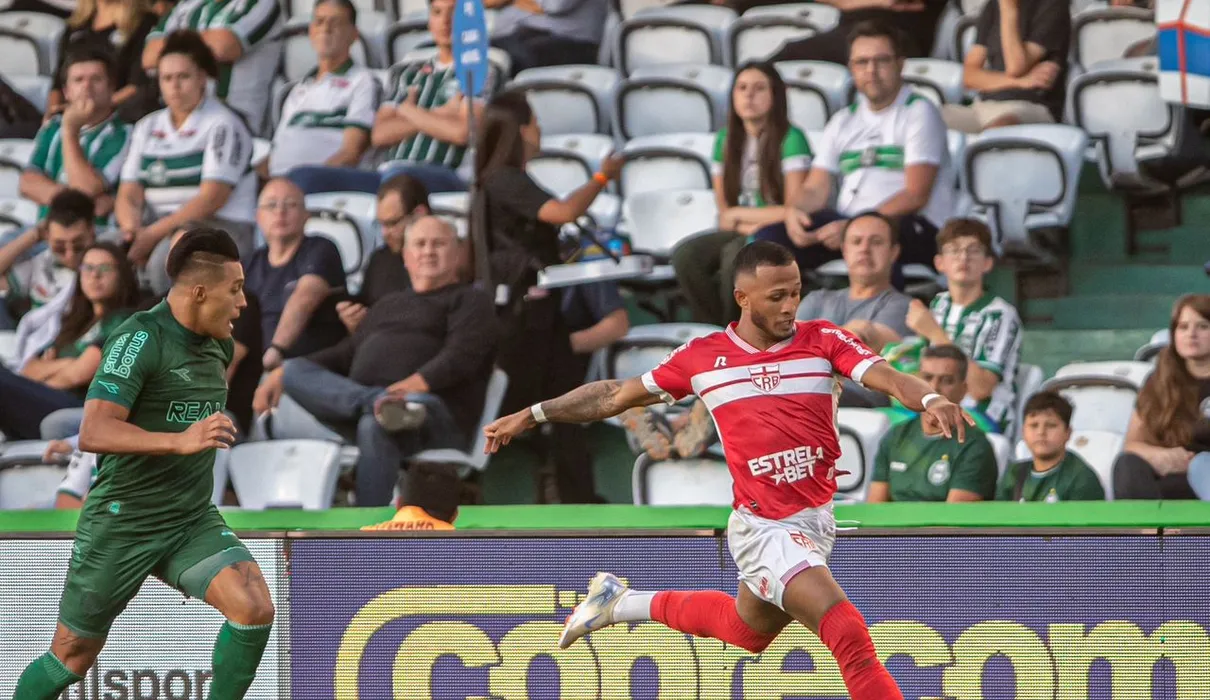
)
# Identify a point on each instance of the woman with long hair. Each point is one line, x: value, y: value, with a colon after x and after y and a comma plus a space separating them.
x: 1170, y: 425
x: 106, y: 293
x: 121, y: 28
x: 760, y: 161
x: 522, y: 223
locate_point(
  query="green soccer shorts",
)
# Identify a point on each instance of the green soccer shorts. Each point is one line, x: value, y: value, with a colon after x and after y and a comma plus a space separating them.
x: 106, y: 572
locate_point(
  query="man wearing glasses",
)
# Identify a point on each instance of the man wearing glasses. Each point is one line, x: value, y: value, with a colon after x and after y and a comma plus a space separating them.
x: 296, y: 278
x: 28, y: 284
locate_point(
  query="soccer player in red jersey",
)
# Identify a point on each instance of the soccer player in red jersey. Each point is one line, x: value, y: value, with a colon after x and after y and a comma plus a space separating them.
x: 768, y: 381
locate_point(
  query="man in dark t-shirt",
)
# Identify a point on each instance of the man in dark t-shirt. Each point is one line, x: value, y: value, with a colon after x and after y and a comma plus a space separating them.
x: 916, y: 20
x: 1018, y: 65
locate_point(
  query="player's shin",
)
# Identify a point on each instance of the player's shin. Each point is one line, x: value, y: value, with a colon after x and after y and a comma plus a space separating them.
x: 708, y: 614
x: 237, y: 654
x: 44, y: 679
x: 843, y: 631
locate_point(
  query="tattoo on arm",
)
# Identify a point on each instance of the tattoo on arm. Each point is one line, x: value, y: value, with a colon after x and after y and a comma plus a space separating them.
x: 591, y: 402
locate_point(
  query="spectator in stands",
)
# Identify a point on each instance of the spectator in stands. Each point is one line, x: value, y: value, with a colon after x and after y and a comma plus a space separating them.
x: 67, y: 230
x: 423, y: 125
x: 244, y: 41
x: 985, y: 326
x: 522, y: 236
x: 1018, y: 65
x: 914, y: 464
x: 1054, y: 473
x: 415, y: 373
x: 888, y: 149
x: 83, y: 147
x: 915, y: 20
x: 327, y: 116
x: 105, y: 294
x: 401, y: 200
x: 295, y: 277
x: 538, y: 33
x: 187, y: 162
x: 1171, y: 421
x: 760, y: 161
x: 118, y: 28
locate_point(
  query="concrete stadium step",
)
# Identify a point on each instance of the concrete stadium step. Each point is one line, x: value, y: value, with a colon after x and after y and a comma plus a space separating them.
x: 1155, y: 279
x: 1099, y: 312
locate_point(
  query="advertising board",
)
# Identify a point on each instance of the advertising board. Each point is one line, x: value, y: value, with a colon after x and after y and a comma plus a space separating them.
x: 957, y: 617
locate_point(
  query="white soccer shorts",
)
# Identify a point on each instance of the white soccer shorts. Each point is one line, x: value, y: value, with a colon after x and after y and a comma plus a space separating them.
x: 771, y: 552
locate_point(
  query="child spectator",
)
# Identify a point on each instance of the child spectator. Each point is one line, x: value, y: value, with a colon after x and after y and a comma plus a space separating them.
x: 1055, y: 473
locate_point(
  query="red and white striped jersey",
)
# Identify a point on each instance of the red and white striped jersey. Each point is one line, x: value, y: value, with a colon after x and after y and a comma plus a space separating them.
x: 775, y: 410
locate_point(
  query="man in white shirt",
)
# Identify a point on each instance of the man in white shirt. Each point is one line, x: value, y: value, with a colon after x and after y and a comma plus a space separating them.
x: 327, y: 116
x: 888, y: 149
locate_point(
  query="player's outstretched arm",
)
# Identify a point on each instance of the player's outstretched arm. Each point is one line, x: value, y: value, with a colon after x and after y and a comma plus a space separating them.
x: 105, y: 430
x: 939, y: 416
x: 592, y: 402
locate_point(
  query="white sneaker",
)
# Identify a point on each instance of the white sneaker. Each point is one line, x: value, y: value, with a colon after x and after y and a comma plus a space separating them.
x: 595, y: 611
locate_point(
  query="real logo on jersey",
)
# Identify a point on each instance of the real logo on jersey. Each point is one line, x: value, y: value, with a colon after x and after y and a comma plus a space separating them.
x: 191, y: 411
x: 765, y: 377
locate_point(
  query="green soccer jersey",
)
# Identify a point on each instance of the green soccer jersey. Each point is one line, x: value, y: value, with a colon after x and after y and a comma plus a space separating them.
x: 1069, y: 480
x: 104, y: 145
x: 169, y: 377
x: 922, y: 468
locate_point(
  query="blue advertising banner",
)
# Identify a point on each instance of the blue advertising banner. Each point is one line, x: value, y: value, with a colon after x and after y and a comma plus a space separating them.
x: 961, y: 618
x: 470, y: 45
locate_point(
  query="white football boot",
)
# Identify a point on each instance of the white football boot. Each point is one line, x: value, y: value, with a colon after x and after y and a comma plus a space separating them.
x: 595, y: 611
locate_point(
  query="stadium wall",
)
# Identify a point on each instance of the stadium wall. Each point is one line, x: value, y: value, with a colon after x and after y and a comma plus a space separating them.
x: 986, y: 611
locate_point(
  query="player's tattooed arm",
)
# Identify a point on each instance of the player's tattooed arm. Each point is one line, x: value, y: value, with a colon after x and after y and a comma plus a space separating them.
x: 597, y: 401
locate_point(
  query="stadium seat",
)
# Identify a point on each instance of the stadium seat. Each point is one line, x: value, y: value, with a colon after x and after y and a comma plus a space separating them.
x: 658, y: 221
x: 1104, y: 33
x: 44, y: 29
x: 965, y: 30
x: 475, y: 459
x: 1118, y: 103
x: 285, y: 474
x: 341, y: 230
x: 1096, y: 447
x: 666, y: 162
x: 362, y: 207
x: 758, y: 38
x: 31, y: 487
x: 500, y: 61
x: 861, y: 431
x: 22, y: 54
x: 222, y: 459
x: 603, y: 212
x: 567, y: 162
x: 289, y: 421
x: 1103, y: 394
x: 681, y: 482
x: 260, y: 150
x: 940, y: 81
x: 8, y: 348
x: 814, y: 91
x: 569, y: 99
x: 35, y: 88
x: 629, y: 8
x: 645, y: 347
x: 913, y: 272
x: 1003, y: 449
x: 410, y: 8
x: 1027, y: 381
x: 298, y: 57
x: 279, y: 89
x: 1158, y: 342
x: 1023, y: 178
x: 715, y: 80
x: 409, y: 33
x: 680, y: 34
x: 822, y: 17
x: 662, y: 106
x: 14, y: 157
x: 18, y: 209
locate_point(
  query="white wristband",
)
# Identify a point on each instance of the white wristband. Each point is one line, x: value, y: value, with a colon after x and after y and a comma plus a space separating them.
x: 536, y: 410
x: 927, y: 398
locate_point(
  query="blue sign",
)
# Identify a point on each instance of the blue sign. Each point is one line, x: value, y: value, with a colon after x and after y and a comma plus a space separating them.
x: 470, y: 44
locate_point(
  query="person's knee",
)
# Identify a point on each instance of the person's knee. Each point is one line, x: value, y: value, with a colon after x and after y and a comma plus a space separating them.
x: 76, y: 653
x: 253, y: 607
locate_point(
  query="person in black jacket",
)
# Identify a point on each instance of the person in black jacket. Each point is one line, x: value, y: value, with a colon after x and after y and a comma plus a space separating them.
x: 412, y: 377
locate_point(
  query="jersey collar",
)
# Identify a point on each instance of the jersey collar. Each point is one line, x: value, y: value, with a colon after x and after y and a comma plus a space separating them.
x: 863, y: 104
x: 173, y: 325
x: 342, y: 69
x: 748, y: 348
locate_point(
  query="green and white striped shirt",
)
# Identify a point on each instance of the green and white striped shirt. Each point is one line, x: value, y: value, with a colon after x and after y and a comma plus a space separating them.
x: 989, y: 331
x: 435, y: 85
x: 316, y: 113
x: 105, y: 144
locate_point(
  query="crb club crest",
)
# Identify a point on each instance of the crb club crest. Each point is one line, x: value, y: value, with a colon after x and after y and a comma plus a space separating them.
x: 765, y: 377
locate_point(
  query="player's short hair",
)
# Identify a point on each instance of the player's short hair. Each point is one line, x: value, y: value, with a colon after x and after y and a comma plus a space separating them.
x: 434, y: 487
x: 1049, y: 401
x: 411, y: 191
x: 873, y: 28
x: 189, y: 43
x: 69, y: 207
x: 966, y: 228
x: 85, y: 52
x: 761, y: 254
x: 947, y: 352
x: 201, y: 247
x: 871, y: 214
x: 349, y: 8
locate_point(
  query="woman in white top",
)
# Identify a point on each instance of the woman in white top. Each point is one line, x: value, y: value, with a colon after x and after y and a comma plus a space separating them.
x: 188, y: 162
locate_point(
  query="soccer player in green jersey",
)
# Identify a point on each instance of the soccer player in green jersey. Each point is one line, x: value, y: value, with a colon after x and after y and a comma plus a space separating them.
x: 154, y: 415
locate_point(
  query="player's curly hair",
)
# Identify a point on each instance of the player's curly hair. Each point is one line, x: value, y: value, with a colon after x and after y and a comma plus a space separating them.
x: 204, y: 245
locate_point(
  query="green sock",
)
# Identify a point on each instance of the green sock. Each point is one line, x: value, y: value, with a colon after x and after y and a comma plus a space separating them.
x: 44, y: 678
x: 237, y: 653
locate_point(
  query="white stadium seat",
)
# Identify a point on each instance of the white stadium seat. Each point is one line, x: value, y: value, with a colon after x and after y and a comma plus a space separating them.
x: 35, y: 88
x: 409, y: 33
x: 348, y: 219
x: 814, y: 91
x: 680, y: 34
x: 279, y: 89
x: 1118, y: 103
x: 662, y: 106
x: 298, y: 56
x: 822, y: 17
x: 341, y: 230
x: 361, y: 206
x: 475, y: 459
x: 681, y: 482
x: 289, y: 421
x: 1024, y: 177
x: 666, y: 162
x: 939, y: 81
x: 1104, y: 33
x: 965, y: 31
x: 8, y: 347
x: 658, y: 221
x: 22, y: 54
x: 567, y: 162
x: 1003, y: 450
x: 629, y: 8
x: 645, y: 347
x: 14, y: 157
x: 17, y: 209
x: 260, y: 150
x: 715, y: 80
x: 861, y: 432
x: 1103, y: 394
x: 569, y: 99
x: 44, y: 29
x: 1027, y: 381
x: 285, y: 474
x: 29, y: 487
x: 1148, y: 352
x: 222, y: 459
x: 758, y: 38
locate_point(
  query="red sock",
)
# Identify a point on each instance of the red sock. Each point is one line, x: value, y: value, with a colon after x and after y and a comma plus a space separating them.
x: 707, y: 614
x: 844, y: 632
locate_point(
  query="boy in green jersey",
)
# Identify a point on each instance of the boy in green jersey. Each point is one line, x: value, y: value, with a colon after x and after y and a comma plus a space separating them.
x: 1054, y: 474
x: 154, y: 416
